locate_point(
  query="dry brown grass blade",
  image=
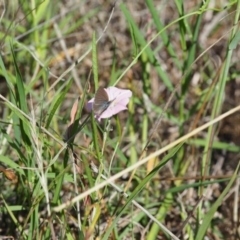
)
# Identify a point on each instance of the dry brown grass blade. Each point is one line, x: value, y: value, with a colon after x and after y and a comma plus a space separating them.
x: 143, y: 161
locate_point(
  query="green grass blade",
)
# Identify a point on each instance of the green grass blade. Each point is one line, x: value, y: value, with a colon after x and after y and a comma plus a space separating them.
x: 56, y: 102
x: 165, y: 38
x: 149, y: 52
x: 140, y: 186
x: 191, y: 55
x: 217, y: 107
x: 208, y: 217
x: 21, y: 100
x: 94, y: 61
x: 14, y: 219
x: 95, y: 137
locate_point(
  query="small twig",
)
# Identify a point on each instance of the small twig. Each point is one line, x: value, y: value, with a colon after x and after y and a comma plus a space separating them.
x: 188, y: 217
x: 3, y: 11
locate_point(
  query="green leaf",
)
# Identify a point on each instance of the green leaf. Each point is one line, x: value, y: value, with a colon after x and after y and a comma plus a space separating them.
x: 41, y: 11
x: 234, y: 42
x: 9, y: 163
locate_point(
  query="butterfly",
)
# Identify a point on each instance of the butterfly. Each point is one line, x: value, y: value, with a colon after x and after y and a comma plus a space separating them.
x: 101, y: 101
